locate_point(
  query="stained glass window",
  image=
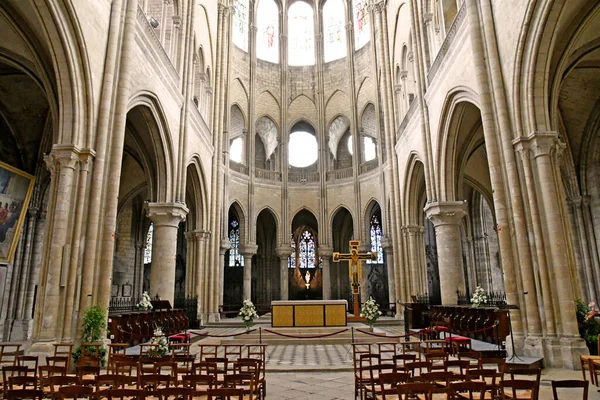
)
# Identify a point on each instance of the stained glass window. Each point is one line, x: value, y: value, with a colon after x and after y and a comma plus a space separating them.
x: 362, y: 31
x: 240, y: 24
x: 334, y: 40
x: 235, y: 258
x: 306, y: 252
x: 148, y: 248
x: 267, y: 34
x: 301, y: 50
x: 376, y: 241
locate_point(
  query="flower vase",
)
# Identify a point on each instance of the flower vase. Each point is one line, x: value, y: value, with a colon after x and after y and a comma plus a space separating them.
x: 370, y: 327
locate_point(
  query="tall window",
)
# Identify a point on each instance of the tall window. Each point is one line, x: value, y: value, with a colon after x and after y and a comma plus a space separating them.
x: 306, y: 252
x: 240, y: 24
x: 267, y: 35
x: 301, y: 34
x: 303, y: 149
x: 362, y: 31
x: 376, y: 241
x: 236, y: 150
x: 148, y: 248
x: 369, y: 146
x: 335, y: 31
x: 235, y: 258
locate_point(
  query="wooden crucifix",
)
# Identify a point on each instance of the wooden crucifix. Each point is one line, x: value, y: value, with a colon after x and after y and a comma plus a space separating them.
x: 354, y: 259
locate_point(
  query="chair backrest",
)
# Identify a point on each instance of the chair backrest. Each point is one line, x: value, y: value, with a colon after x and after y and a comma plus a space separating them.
x: 475, y: 390
x: 499, y: 363
x: 177, y: 393
x: 226, y: 394
x: 407, y: 389
x: 199, y: 382
x: 153, y: 381
x: 258, y: 351
x: 24, y: 394
x: 166, y: 367
x: 387, y: 351
x: 22, y: 382
x: 438, y: 376
x: 570, y: 384
x: 245, y: 380
x: 75, y: 392
x: 518, y: 389
x: 46, y: 371
x: 208, y: 351
x: 462, y: 365
x: 233, y: 351
x: 30, y: 362
x: 114, y: 381
x: 491, y: 374
x: 412, y: 367
x: 205, y: 368
x: 180, y: 349
x: 126, y: 394
x: 13, y: 370
x: 125, y: 367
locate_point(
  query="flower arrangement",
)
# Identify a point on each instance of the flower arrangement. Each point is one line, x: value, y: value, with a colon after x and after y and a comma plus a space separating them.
x: 479, y: 297
x: 145, y: 303
x: 370, y: 311
x: 248, y: 313
x: 159, y: 339
x: 588, y: 324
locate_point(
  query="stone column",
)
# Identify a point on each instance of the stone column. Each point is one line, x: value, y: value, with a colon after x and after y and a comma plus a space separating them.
x: 284, y: 252
x: 326, y: 253
x: 190, y: 265
x: 388, y: 251
x: 446, y: 217
x: 587, y: 272
x: 166, y: 218
x: 138, y: 273
x: 49, y: 315
x: 248, y: 251
x: 201, y: 237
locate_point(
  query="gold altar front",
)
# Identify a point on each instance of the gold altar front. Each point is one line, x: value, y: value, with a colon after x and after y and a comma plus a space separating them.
x: 309, y: 313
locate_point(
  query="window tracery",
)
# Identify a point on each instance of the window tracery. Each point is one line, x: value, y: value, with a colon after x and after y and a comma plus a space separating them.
x: 267, y: 34
x: 301, y: 50
x: 240, y: 24
x: 362, y: 28
x: 335, y: 33
x: 376, y: 235
x: 235, y: 258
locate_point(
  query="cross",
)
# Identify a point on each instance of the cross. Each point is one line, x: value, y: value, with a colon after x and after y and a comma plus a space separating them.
x: 354, y: 259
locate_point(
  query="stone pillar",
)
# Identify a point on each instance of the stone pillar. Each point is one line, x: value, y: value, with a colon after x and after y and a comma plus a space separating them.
x: 586, y: 273
x: 49, y: 314
x: 284, y: 252
x: 166, y: 218
x: 446, y: 217
x: 388, y: 251
x: 248, y: 251
x: 202, y: 237
x: 326, y: 253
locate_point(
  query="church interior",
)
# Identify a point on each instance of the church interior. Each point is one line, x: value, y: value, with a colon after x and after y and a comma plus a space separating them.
x: 206, y: 152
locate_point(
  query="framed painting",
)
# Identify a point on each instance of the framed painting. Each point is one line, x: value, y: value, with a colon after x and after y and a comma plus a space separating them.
x: 16, y: 187
x: 126, y: 290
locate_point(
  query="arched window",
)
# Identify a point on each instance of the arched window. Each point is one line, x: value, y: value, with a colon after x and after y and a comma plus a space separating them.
x: 362, y: 31
x: 240, y: 24
x: 236, y: 150
x: 376, y: 241
x: 148, y: 248
x: 235, y: 258
x: 369, y: 147
x: 334, y: 40
x: 267, y: 34
x: 301, y: 50
x: 303, y: 149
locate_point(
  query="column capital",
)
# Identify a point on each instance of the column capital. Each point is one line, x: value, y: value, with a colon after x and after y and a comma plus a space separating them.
x: 427, y: 18
x: 166, y: 214
x: 85, y: 158
x: 249, y: 249
x: 446, y: 213
x: 413, y: 228
x: 284, y: 251
x: 62, y: 155
x: 225, y: 245
x: 325, y: 251
x: 538, y: 143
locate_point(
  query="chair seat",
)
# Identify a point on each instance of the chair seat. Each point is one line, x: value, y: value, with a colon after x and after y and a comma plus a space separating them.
x: 457, y: 339
x: 182, y: 337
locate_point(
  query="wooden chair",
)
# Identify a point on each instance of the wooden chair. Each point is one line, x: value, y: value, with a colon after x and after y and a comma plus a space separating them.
x: 152, y: 382
x: 30, y: 362
x: 358, y: 349
x: 27, y: 394
x: 498, y: 363
x: 126, y: 394
x: 440, y: 378
x: 586, y: 364
x: 525, y: 373
x: 467, y: 390
x: 87, y: 374
x: 233, y: 351
x: 472, y: 356
x: 175, y: 393
x: 58, y: 361
x: 208, y: 351
x: 462, y: 365
x: 408, y: 390
x: 437, y: 360
x: 205, y: 368
x: 385, y: 387
x: 518, y: 389
x: 9, y: 353
x: 54, y: 383
x: 180, y: 349
x: 22, y: 383
x: 401, y: 359
x: 570, y: 384
x: 47, y: 372
x: 226, y: 394
x: 367, y: 362
x: 387, y: 351
x: 12, y: 370
x: 107, y: 382
x: 222, y: 367
x: 412, y: 367
x: 200, y: 384
x: 75, y: 392
x: 243, y: 381
x: 166, y: 368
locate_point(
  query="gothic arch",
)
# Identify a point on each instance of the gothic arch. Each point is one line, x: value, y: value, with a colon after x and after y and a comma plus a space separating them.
x: 415, y: 193
x: 275, y: 217
x: 151, y: 131
x: 196, y: 196
x: 370, y: 209
x: 239, y: 211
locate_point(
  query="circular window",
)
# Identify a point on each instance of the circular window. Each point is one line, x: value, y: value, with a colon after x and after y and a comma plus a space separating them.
x: 303, y: 149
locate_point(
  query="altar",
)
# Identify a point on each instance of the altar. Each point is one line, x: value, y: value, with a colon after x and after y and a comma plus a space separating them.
x: 289, y: 313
